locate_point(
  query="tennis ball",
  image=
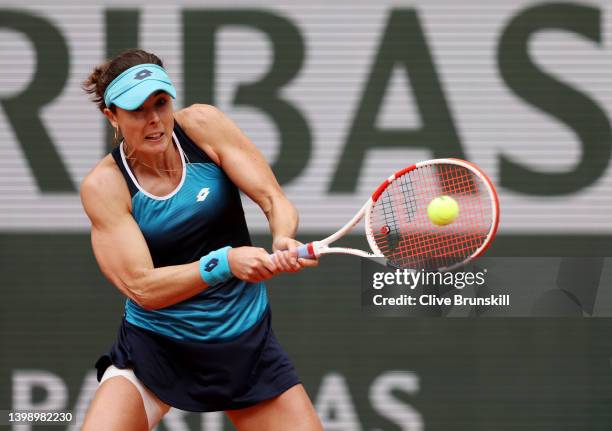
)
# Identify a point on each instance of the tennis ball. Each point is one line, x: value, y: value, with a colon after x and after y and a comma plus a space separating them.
x: 443, y: 210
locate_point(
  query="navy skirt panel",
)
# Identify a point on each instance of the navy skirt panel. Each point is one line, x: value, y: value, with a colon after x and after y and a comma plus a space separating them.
x: 205, y: 376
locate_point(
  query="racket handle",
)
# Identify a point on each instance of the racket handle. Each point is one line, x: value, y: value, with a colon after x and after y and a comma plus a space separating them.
x: 303, y: 251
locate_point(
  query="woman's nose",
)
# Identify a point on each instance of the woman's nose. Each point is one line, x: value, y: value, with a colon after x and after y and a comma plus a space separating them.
x: 153, y: 116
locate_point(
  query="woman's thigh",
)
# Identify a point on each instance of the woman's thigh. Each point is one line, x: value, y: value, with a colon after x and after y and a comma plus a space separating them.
x: 292, y: 410
x: 118, y: 405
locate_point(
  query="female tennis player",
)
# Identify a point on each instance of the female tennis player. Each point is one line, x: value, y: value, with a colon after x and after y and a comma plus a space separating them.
x: 168, y: 230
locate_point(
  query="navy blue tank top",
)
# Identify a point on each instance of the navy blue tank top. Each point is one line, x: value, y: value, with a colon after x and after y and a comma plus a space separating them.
x: 202, y: 214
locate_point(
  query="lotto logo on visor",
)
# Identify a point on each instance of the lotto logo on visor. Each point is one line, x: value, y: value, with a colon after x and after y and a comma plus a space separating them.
x: 143, y: 74
x: 130, y: 89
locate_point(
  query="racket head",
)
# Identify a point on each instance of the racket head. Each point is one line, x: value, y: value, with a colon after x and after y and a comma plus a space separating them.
x: 398, y: 227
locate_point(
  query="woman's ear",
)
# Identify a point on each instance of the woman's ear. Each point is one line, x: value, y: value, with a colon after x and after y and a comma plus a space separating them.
x: 112, y: 118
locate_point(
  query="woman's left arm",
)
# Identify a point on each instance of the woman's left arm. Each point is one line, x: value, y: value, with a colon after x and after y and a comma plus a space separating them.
x: 244, y: 164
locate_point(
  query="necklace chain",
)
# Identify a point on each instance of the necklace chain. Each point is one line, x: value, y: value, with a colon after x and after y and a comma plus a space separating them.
x: 152, y: 168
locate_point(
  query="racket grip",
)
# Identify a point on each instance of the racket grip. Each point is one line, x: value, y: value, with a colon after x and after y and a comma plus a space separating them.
x: 303, y: 251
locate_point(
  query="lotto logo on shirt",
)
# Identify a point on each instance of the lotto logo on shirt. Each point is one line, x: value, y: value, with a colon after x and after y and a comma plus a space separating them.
x: 202, y: 195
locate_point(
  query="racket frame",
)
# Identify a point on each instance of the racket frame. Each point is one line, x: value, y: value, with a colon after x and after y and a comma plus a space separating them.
x: 318, y: 248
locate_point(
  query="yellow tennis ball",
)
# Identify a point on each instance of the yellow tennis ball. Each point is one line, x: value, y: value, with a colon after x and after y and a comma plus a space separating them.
x: 443, y: 210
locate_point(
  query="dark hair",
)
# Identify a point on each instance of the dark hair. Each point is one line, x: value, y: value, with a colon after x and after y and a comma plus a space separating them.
x: 103, y: 75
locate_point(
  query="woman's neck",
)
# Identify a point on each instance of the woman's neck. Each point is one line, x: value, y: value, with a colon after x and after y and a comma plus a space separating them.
x: 165, y: 164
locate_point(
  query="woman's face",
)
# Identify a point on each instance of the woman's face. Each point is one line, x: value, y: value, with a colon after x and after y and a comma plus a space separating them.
x: 147, y: 129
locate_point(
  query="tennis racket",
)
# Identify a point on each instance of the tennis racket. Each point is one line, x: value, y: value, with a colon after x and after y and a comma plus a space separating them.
x: 399, y: 230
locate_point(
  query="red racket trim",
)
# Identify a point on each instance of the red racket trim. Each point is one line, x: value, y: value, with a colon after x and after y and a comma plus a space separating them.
x: 381, y: 188
x: 403, y: 171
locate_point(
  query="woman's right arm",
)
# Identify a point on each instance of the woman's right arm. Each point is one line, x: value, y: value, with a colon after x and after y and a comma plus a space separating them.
x: 124, y: 258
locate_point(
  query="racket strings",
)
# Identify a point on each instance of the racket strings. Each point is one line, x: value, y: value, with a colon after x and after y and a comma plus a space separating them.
x: 407, y: 237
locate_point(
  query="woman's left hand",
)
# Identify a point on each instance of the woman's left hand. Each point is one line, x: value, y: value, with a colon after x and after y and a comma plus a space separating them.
x: 286, y: 256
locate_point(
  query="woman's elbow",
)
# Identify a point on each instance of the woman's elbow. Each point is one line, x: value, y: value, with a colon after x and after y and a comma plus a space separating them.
x: 145, y: 301
x: 137, y: 292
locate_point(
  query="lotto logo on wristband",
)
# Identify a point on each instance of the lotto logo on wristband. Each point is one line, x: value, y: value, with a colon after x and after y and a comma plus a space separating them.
x: 214, y: 267
x: 211, y: 264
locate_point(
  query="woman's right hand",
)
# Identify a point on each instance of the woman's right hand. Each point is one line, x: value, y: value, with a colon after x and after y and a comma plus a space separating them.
x: 251, y: 264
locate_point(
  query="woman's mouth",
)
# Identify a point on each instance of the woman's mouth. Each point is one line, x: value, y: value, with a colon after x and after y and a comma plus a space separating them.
x: 154, y: 137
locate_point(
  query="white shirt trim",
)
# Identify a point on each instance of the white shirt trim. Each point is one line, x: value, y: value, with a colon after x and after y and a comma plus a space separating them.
x: 143, y: 191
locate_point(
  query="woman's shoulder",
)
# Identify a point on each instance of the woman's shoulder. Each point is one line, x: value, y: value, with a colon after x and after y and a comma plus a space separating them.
x: 202, y: 123
x: 198, y: 114
x: 105, y: 180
